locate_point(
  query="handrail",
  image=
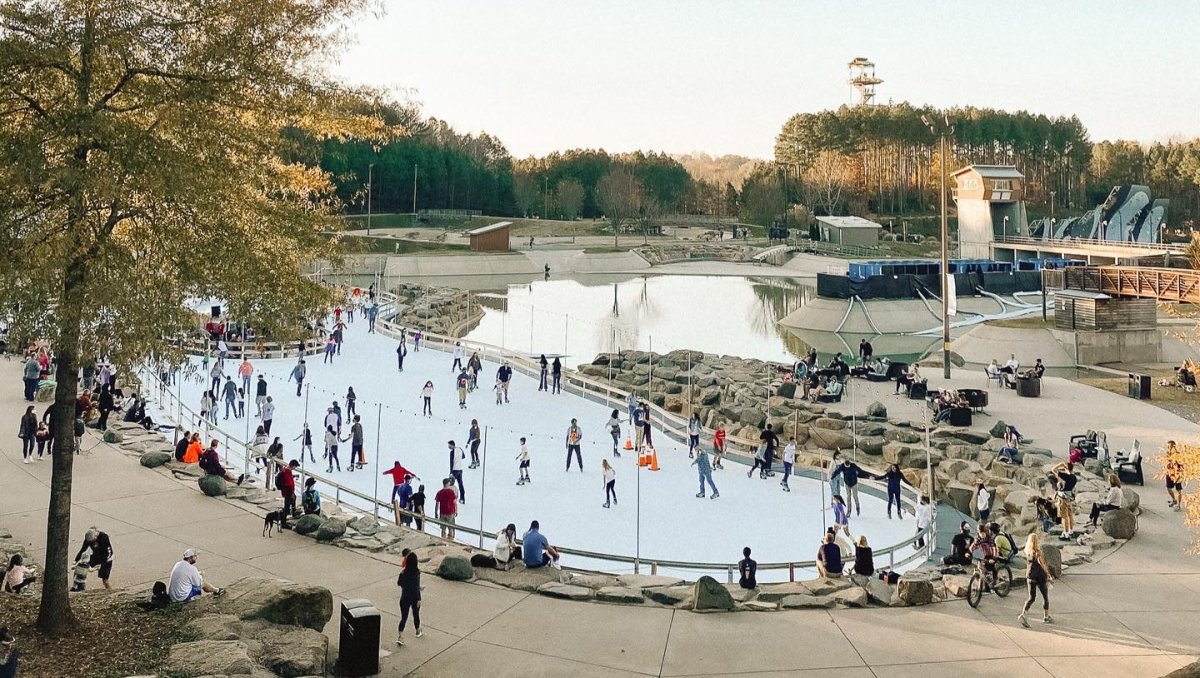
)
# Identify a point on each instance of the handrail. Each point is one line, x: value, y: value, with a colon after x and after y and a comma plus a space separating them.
x: 1062, y: 242
x: 384, y: 326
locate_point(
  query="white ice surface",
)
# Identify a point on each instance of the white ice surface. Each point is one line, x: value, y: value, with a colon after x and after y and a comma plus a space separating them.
x: 675, y: 525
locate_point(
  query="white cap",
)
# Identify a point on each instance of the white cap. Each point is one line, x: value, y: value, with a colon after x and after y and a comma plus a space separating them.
x: 190, y: 553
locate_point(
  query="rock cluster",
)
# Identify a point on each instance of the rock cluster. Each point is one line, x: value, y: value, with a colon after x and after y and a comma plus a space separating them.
x: 685, y: 250
x: 441, y: 310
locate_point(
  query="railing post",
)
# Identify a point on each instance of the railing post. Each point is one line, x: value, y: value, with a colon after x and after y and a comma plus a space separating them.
x: 791, y: 571
x: 653, y: 568
x: 729, y: 570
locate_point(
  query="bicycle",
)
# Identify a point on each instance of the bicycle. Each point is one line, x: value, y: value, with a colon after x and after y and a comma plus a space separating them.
x: 999, y: 580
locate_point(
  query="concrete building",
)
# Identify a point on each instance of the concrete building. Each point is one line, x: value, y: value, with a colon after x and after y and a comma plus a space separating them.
x: 990, y: 200
x: 491, y: 238
x: 854, y: 231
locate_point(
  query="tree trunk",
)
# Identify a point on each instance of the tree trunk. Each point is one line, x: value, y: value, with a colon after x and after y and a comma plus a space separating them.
x: 54, y: 615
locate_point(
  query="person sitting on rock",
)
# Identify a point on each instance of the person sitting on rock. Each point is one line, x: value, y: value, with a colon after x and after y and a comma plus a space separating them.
x: 960, y: 546
x: 186, y: 582
x: 829, y: 558
x: 210, y: 463
x: 311, y: 499
x: 1113, y: 500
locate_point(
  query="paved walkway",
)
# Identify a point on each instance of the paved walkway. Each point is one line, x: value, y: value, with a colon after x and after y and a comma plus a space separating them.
x: 1131, y: 614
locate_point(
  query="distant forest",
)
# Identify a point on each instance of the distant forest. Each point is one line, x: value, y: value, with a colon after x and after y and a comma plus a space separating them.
x: 879, y: 161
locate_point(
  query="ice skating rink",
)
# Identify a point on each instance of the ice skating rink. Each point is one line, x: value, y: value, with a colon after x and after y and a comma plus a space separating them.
x: 674, y: 524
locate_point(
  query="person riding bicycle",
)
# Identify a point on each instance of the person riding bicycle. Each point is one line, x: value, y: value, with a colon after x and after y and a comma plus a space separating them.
x: 986, y: 545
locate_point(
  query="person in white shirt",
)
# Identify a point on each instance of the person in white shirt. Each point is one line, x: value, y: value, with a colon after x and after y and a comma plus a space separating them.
x: 1113, y: 499
x: 458, y: 357
x: 789, y: 459
x: 983, y: 500
x: 523, y: 458
x: 186, y: 582
x: 924, y: 518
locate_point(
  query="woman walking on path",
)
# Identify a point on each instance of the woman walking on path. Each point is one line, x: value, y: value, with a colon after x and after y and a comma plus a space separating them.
x: 693, y: 433
x: 610, y: 483
x: 614, y: 428
x: 409, y: 582
x: 702, y: 466
x: 27, y: 432
x: 1036, y: 576
x: 427, y: 398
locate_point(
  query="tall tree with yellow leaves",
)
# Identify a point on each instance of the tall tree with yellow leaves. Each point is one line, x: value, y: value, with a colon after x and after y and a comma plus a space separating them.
x: 143, y: 161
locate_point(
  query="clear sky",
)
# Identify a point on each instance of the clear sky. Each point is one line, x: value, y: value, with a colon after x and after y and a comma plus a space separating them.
x: 722, y: 77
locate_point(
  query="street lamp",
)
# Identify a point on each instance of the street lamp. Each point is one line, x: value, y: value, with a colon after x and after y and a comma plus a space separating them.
x: 943, y: 130
x: 1004, y: 232
x: 370, y: 177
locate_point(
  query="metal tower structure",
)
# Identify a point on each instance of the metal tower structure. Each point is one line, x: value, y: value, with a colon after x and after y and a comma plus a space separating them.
x: 862, y: 81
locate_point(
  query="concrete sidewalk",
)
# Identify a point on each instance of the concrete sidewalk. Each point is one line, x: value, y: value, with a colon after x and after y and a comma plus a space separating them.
x: 1130, y: 614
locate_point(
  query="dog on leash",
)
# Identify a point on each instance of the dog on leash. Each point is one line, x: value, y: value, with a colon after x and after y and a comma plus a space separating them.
x: 273, y: 518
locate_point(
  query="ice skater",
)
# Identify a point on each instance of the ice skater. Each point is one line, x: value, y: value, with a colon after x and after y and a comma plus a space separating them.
x: 351, y: 399
x: 574, y: 436
x: 330, y: 348
x: 693, y: 433
x: 456, y: 457
x: 297, y: 374
x: 401, y: 351
x: 610, y: 483
x: 705, y: 471
x: 473, y: 440
x: 462, y: 382
x: 331, y: 450
x: 841, y: 518
x: 631, y: 402
x: 719, y: 446
x: 458, y: 357
x: 417, y: 341
x: 427, y: 399
x: 306, y: 443
x: 614, y: 428
x: 556, y: 376
x: 543, y: 372
x: 789, y: 460
x: 523, y: 466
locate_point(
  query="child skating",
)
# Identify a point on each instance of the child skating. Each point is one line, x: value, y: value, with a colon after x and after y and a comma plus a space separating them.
x: 789, y: 460
x: 523, y: 458
x: 305, y: 439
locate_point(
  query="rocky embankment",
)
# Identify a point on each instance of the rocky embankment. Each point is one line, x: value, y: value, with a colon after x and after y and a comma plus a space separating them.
x: 743, y: 394
x: 686, y: 250
x: 441, y: 310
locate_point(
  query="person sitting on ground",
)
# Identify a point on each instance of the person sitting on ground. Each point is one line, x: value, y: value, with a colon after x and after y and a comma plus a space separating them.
x: 17, y: 576
x: 194, y: 450
x: 960, y: 546
x: 864, y: 558
x: 809, y: 384
x: 186, y: 582
x: 210, y: 463
x: 537, y: 549
x: 829, y: 558
x: 1113, y: 499
x: 506, y: 549
x: 747, y: 570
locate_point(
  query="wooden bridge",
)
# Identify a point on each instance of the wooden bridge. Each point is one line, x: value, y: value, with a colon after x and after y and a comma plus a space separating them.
x: 1160, y: 284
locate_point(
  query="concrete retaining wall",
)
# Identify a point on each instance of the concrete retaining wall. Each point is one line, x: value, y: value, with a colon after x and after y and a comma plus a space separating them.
x: 1117, y: 346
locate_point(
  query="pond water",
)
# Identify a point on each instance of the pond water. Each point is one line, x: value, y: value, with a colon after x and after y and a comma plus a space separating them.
x: 713, y: 314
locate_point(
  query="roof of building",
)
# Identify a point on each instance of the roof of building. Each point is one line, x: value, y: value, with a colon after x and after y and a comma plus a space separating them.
x: 1082, y: 294
x: 992, y: 171
x: 848, y: 222
x: 489, y: 228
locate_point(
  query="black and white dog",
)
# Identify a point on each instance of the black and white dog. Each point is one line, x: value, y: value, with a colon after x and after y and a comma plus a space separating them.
x: 273, y: 518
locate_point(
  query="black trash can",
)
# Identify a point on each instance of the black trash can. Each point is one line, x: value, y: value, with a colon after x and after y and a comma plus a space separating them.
x: 358, y: 642
x: 1139, y: 386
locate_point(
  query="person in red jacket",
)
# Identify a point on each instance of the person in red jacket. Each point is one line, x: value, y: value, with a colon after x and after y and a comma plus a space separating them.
x: 719, y: 445
x: 398, y: 474
x: 286, y: 482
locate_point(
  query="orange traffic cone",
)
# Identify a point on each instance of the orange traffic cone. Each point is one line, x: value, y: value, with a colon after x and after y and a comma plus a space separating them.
x: 643, y: 457
x: 653, y: 459
x: 628, y: 443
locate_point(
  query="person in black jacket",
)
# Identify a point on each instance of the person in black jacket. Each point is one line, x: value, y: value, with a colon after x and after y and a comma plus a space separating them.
x: 850, y: 473
x: 894, y: 477
x: 182, y: 445
x: 960, y: 546
x: 106, y: 406
x: 101, y: 556
x: 409, y: 582
x: 747, y: 569
x: 28, y: 433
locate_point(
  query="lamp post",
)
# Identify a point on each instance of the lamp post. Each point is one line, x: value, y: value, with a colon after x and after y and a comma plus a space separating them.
x: 1004, y: 232
x: 944, y: 130
x: 370, y: 177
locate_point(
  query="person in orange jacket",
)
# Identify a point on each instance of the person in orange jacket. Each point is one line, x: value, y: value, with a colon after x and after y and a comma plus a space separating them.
x: 192, y: 456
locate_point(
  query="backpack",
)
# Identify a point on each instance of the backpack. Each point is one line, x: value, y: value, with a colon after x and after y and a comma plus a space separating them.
x: 279, y: 479
x: 1006, y: 538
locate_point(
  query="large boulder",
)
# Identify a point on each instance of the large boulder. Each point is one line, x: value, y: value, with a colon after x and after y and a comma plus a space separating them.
x: 786, y: 390
x: 1119, y: 523
x: 877, y: 409
x: 1132, y: 501
x: 915, y: 591
x: 1052, y: 553
x: 214, y: 627
x: 708, y: 594
x: 620, y: 594
x: 668, y: 595
x: 998, y: 429
x: 213, y: 486
x: 568, y: 591
x: 307, y: 523
x: 960, y: 496
x: 278, y: 601
x: 293, y: 652
x: 208, y: 658
x: 331, y: 529
x: 112, y: 437
x: 155, y: 458
x: 1190, y: 671
x: 455, y: 568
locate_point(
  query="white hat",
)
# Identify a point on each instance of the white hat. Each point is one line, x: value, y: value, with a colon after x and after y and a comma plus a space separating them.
x: 190, y: 553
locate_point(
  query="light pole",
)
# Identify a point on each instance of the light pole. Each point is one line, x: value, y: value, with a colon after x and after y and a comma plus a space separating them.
x: 370, y: 177
x: 1004, y: 232
x: 944, y: 130
x: 414, y: 194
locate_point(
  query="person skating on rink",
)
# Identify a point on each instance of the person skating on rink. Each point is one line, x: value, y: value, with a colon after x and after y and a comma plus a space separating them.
x: 841, y: 517
x: 543, y: 373
x: 556, y: 375
x: 523, y: 465
x: 693, y: 433
x: 574, y: 436
x: 427, y: 399
x: 331, y: 449
x: 306, y: 443
x: 719, y: 446
x: 614, y: 429
x: 458, y: 357
x: 610, y: 483
x: 456, y: 457
x: 705, y: 471
x: 473, y: 440
x: 789, y: 460
x: 462, y: 382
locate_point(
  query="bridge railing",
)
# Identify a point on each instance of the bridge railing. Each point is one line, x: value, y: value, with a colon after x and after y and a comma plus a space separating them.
x: 1089, y: 242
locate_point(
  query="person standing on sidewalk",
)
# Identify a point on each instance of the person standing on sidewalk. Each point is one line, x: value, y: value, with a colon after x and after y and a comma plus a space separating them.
x: 27, y: 432
x: 31, y: 375
x: 574, y: 436
x: 610, y: 483
x: 1037, y: 574
x: 445, y: 506
x: 702, y: 466
x: 456, y: 457
x: 285, y: 480
x: 409, y: 582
